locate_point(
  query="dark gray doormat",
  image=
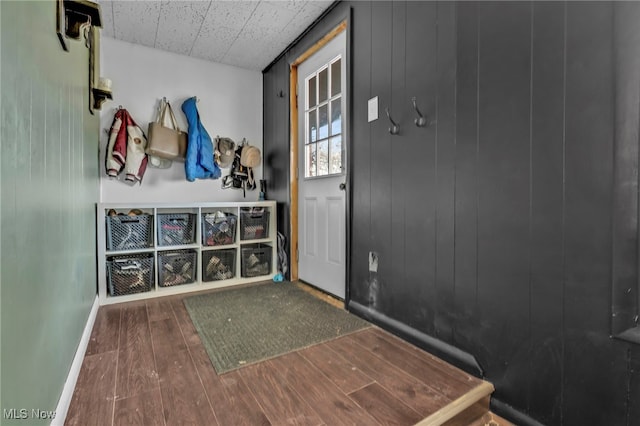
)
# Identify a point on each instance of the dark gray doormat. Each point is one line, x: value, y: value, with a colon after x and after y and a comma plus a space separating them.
x: 243, y: 326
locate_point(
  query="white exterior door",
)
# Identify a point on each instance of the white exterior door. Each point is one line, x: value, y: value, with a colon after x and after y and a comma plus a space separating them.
x: 322, y: 168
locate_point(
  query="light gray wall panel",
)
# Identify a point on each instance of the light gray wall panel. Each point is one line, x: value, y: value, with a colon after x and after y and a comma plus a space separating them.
x: 49, y: 184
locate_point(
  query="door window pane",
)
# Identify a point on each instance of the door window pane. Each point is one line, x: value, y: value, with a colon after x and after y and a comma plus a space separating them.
x: 311, y: 126
x: 322, y: 85
x: 335, y: 155
x: 324, y: 150
x: 310, y: 155
x: 311, y: 92
x: 323, y: 122
x: 336, y: 117
x: 335, y: 78
x: 323, y: 158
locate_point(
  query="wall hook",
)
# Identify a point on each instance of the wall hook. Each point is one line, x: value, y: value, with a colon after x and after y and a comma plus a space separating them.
x: 421, y: 121
x: 394, y: 129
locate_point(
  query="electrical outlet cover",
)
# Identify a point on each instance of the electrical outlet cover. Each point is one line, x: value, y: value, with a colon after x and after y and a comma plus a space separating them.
x: 372, y: 109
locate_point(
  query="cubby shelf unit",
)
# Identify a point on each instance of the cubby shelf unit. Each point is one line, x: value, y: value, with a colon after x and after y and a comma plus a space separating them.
x: 262, y: 247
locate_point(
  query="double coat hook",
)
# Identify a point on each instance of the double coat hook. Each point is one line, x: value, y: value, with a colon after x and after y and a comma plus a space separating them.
x: 420, y: 121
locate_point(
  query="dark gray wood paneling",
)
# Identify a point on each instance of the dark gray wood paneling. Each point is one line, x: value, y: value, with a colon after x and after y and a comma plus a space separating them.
x: 400, y: 190
x: 466, y: 177
x: 626, y: 294
x: 588, y: 177
x: 547, y: 160
x: 444, y: 117
x: 632, y: 406
x: 360, y: 154
x: 417, y: 173
x: 503, y: 194
x: 380, y: 159
x: 280, y: 95
x: 588, y: 164
x: 276, y: 142
x: 270, y: 134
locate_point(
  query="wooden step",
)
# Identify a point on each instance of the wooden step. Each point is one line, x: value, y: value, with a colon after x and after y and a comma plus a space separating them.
x: 466, y: 408
x: 495, y: 420
x: 471, y: 409
x: 488, y: 419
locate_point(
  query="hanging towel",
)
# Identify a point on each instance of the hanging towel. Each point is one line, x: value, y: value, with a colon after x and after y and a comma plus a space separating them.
x: 199, y: 161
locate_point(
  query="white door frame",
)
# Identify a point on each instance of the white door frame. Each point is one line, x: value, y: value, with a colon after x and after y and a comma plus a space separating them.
x: 293, y: 159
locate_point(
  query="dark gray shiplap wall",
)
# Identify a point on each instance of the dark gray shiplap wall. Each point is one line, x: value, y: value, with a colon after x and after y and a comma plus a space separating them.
x: 494, y: 225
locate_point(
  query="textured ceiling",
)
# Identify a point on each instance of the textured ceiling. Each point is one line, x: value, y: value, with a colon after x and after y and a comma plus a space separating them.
x: 244, y: 33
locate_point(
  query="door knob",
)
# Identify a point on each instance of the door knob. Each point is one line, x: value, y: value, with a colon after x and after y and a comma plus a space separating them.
x: 343, y: 186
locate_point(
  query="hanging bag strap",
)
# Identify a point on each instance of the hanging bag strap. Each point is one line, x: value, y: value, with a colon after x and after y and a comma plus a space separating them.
x: 174, y: 122
x: 162, y: 115
x: 162, y: 110
x: 251, y: 182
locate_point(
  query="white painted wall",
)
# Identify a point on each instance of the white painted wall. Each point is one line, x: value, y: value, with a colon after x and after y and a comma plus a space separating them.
x: 230, y: 105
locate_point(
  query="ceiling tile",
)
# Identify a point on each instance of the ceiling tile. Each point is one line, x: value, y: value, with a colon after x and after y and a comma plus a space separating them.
x: 213, y: 42
x: 244, y: 33
x: 136, y: 22
x: 311, y: 11
x: 290, y: 5
x: 246, y: 63
x: 179, y: 24
x: 258, y: 53
x: 270, y: 17
x: 320, y: 4
x: 221, y: 27
x: 230, y: 14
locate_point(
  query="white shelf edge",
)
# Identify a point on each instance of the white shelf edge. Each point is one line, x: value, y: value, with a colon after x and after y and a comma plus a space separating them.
x: 184, y: 289
x: 226, y: 246
x: 127, y: 252
x: 172, y: 248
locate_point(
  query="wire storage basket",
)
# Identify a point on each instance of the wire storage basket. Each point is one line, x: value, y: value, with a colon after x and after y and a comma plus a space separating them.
x: 218, y: 265
x: 125, y: 232
x: 218, y: 228
x: 256, y: 260
x: 176, y: 229
x: 129, y: 274
x: 254, y: 223
x: 177, y: 267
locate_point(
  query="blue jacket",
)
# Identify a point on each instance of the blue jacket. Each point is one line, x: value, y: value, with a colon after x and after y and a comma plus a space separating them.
x: 199, y: 162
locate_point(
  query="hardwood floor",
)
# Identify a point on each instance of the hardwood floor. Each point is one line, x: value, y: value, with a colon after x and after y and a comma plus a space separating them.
x: 145, y: 365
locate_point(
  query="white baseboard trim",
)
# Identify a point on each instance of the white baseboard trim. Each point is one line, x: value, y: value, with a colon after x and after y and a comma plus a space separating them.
x: 74, y: 371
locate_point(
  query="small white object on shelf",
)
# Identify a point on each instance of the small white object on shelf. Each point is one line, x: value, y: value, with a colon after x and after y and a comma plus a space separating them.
x: 104, y: 84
